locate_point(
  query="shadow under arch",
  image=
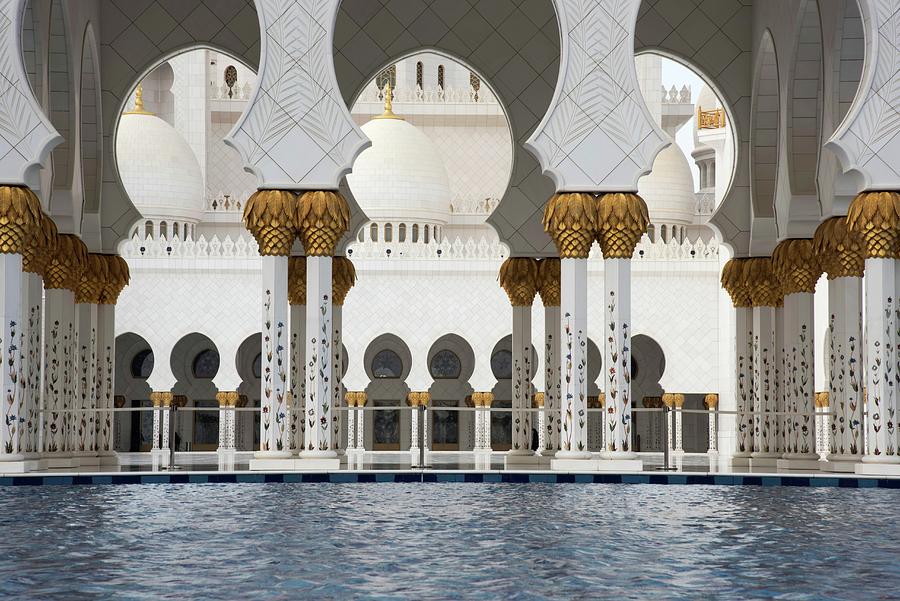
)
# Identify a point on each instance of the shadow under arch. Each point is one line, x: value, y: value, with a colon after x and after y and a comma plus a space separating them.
x: 648, y: 364
x: 387, y: 363
x: 133, y: 431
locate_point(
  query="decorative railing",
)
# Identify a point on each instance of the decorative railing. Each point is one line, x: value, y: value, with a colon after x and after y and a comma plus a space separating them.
x: 675, y: 96
x: 236, y: 92
x: 473, y: 206
x: 244, y: 246
x: 713, y: 119
x: 418, y: 95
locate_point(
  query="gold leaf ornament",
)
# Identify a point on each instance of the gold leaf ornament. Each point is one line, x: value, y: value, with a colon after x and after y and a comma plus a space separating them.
x: 270, y: 217
x: 841, y: 252
x: 297, y: 280
x: 41, y: 246
x: 622, y: 219
x: 549, y: 286
x: 519, y: 278
x: 322, y: 217
x: 343, y: 277
x: 92, y: 280
x: 734, y: 282
x: 63, y: 270
x: 571, y: 220
x: 20, y: 217
x: 876, y: 217
x: 765, y: 289
x: 796, y: 265
x: 117, y: 277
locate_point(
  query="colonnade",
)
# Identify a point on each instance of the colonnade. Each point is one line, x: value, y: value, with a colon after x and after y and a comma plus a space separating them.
x: 57, y: 339
x: 778, y: 408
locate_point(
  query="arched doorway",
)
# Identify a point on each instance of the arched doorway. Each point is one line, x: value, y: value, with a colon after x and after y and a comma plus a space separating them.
x: 195, y: 362
x: 249, y: 366
x: 648, y: 363
x: 133, y: 431
x: 451, y: 362
x: 387, y: 363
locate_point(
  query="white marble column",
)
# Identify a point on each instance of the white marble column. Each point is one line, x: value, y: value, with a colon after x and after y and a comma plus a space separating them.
x: 320, y: 368
x: 86, y: 383
x: 351, y: 422
x: 711, y: 403
x: 413, y: 401
x: 737, y: 282
x: 617, y: 276
x: 573, y: 361
x: 11, y: 335
x: 31, y: 352
x: 521, y: 381
x: 297, y: 299
x: 274, y: 422
x: 765, y: 388
x: 106, y: 373
x: 225, y: 453
x: 337, y: 386
x: 549, y: 290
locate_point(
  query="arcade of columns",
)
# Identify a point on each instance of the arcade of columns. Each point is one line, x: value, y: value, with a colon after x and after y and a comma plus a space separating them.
x: 773, y: 301
x: 58, y: 341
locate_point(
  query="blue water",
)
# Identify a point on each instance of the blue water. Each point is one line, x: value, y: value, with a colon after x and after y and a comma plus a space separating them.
x: 438, y: 541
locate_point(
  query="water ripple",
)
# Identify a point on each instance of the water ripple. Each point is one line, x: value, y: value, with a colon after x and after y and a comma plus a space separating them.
x: 459, y: 541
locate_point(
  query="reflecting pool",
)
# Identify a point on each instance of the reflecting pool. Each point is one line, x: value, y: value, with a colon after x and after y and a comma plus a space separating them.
x: 427, y: 541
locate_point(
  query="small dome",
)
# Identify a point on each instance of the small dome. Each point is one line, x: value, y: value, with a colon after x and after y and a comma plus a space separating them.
x: 668, y: 190
x: 401, y: 177
x: 158, y: 168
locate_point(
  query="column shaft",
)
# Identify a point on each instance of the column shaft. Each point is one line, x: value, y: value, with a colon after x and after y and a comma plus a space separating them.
x: 106, y: 374
x: 30, y: 386
x: 274, y: 422
x: 573, y: 359
x: 881, y: 360
x: 58, y: 336
x: 799, y: 376
x: 521, y: 380
x: 11, y: 335
x: 337, y: 362
x: 319, y: 399
x: 743, y: 339
x: 552, y: 387
x: 765, y: 389
x: 845, y: 369
x: 298, y: 375
x: 617, y: 276
x: 86, y: 379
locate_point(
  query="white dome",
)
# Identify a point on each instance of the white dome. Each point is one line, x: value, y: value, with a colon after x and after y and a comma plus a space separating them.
x: 669, y: 189
x: 158, y: 168
x: 401, y: 177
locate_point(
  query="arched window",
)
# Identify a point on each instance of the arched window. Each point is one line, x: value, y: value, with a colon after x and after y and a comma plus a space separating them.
x: 148, y: 229
x: 206, y: 365
x: 361, y: 235
x: 427, y: 233
x: 388, y: 76
x: 501, y: 364
x: 257, y: 366
x: 401, y: 233
x: 662, y: 233
x: 445, y: 365
x: 142, y: 365
x: 415, y: 232
x: 420, y: 75
x: 163, y: 230
x: 387, y: 365
x: 388, y: 232
x: 175, y: 230
x: 373, y: 232
x: 441, y: 76
x: 651, y: 232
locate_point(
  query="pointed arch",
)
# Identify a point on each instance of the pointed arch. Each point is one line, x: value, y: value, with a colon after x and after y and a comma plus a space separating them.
x: 90, y: 132
x: 804, y: 119
x: 764, y: 129
x: 62, y: 108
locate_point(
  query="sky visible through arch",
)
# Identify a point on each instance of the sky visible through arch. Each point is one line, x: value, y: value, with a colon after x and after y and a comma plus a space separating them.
x: 676, y: 74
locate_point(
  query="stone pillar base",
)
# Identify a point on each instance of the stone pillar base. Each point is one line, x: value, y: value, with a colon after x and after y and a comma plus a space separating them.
x: 842, y: 467
x: 57, y: 461
x: 740, y: 461
x: 85, y: 459
x: 530, y: 460
x: 109, y: 459
x: 18, y: 467
x: 159, y: 458
x: 225, y: 459
x: 764, y: 460
x: 878, y: 469
x: 799, y: 464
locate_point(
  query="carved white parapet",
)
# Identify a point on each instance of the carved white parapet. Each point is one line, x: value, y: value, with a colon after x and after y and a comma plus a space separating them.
x: 26, y: 135
x: 868, y: 140
x: 297, y: 133
x: 597, y: 134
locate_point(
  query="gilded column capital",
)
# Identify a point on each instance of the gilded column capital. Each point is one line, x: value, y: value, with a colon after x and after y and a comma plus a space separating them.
x: 242, y: 401
x: 796, y: 265
x: 322, y: 217
x: 673, y: 400
x: 570, y: 218
x: 841, y: 252
x: 161, y: 399
x: 652, y: 402
x: 711, y: 401
x: 822, y: 399
x: 765, y: 289
x: 876, y: 217
x: 41, y: 247
x: 549, y: 286
x: 227, y: 398
x: 622, y: 219
x: 117, y: 277
x: 343, y: 277
x: 20, y: 216
x: 350, y: 398
x: 537, y: 401
x: 593, y: 402
x: 487, y: 399
x: 119, y: 401
x: 735, y: 283
x: 601, y: 399
x: 519, y: 278
x: 179, y: 400
x: 270, y: 217
x: 63, y: 270
x: 92, y: 280
x: 297, y: 280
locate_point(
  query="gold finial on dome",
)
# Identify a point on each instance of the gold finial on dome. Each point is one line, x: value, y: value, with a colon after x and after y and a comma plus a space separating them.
x: 139, y: 102
x: 388, y: 104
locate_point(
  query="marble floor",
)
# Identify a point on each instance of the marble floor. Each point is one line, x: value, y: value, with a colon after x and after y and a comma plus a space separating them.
x: 196, y: 462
